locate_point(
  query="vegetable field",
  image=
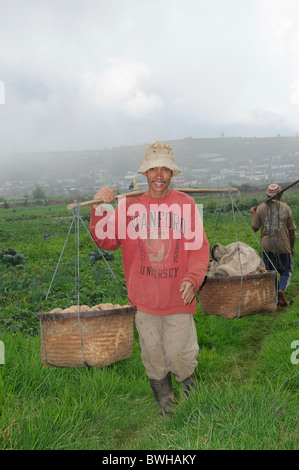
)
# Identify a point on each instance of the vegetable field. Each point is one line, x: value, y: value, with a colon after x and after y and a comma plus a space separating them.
x: 247, y: 368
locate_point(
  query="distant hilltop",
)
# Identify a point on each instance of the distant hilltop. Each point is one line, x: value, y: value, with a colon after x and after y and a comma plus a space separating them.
x: 205, y: 162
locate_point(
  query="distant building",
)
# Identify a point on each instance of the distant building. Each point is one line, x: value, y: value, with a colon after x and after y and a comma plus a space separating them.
x: 178, y: 180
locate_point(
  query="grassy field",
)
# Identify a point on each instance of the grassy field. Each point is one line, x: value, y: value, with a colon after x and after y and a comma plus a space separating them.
x: 248, y: 384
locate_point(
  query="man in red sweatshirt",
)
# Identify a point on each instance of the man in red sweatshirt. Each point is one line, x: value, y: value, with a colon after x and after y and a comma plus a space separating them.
x: 165, y: 258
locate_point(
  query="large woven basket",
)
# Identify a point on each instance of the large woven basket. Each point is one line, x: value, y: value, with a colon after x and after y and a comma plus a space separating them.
x: 237, y: 296
x: 95, y: 339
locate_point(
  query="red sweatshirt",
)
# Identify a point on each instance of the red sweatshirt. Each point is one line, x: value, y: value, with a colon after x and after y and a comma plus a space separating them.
x: 163, y: 243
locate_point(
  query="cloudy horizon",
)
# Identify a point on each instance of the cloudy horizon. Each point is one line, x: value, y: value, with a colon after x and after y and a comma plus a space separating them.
x: 106, y: 73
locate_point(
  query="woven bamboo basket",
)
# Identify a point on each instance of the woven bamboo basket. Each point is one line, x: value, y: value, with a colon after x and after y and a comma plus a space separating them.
x: 236, y: 296
x: 96, y: 338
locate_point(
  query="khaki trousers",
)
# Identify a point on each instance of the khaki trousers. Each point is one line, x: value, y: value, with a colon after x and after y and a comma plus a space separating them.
x: 168, y: 343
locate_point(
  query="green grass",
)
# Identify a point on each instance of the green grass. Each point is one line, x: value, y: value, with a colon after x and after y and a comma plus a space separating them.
x: 248, y: 386
x: 240, y: 405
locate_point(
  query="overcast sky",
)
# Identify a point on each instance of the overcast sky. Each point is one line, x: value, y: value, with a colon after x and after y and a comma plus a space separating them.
x: 100, y: 73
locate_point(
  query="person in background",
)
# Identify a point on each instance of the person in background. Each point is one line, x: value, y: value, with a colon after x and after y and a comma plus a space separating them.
x: 165, y: 258
x: 276, y: 221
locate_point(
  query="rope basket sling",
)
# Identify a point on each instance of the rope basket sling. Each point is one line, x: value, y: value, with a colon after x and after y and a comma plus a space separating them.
x: 104, y: 337
x: 85, y: 336
x: 239, y: 296
x: 236, y: 296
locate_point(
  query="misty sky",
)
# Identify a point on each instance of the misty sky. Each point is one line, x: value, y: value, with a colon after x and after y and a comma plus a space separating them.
x: 100, y: 73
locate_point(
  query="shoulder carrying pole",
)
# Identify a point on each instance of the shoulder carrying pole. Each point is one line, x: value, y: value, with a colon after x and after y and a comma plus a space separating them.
x: 281, y: 191
x: 138, y: 193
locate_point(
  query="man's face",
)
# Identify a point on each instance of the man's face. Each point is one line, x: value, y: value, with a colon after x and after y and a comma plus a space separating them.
x: 158, y: 179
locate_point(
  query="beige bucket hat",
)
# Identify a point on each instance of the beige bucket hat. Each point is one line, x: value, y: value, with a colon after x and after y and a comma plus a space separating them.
x: 159, y: 154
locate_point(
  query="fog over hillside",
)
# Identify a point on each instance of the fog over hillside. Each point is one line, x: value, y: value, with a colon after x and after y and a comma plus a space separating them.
x: 105, y: 74
x: 205, y: 162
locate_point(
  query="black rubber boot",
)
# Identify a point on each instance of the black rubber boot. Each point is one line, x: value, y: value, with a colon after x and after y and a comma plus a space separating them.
x: 282, y: 300
x: 189, y: 385
x: 163, y: 394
